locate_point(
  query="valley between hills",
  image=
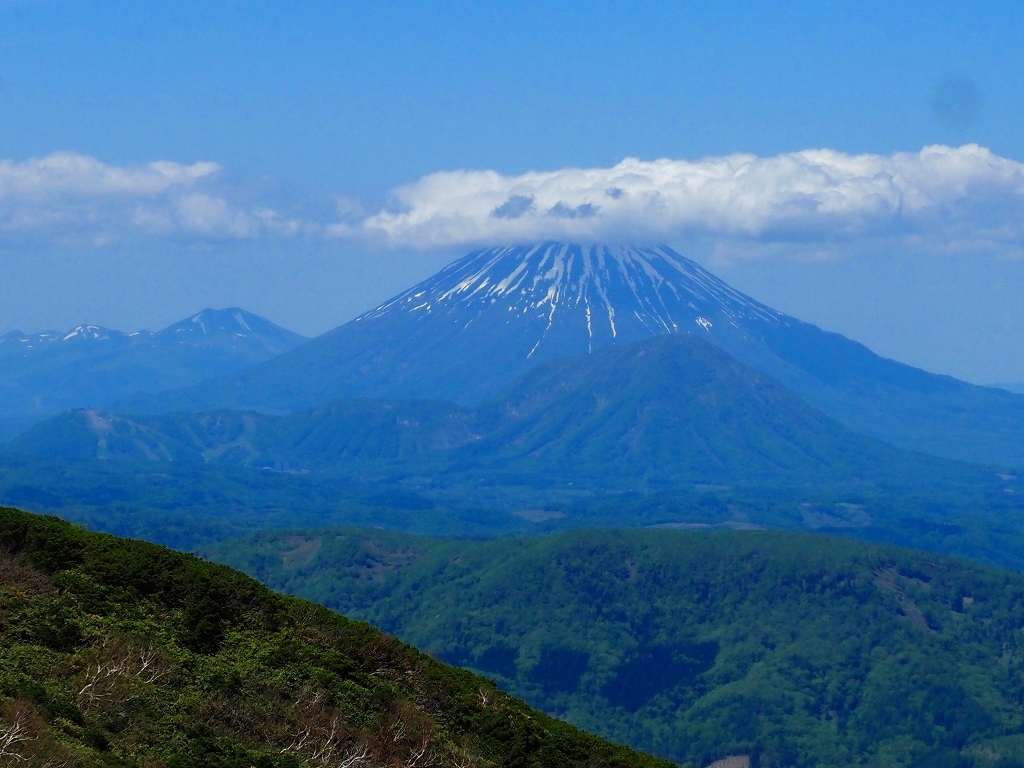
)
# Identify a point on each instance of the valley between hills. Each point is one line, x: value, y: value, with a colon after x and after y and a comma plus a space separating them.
x: 598, y: 477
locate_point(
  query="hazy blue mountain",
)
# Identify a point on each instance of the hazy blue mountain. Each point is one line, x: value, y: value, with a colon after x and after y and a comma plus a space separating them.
x: 669, y: 411
x: 45, y: 373
x: 478, y: 324
x: 667, y: 431
x: 326, y: 436
x: 665, y: 412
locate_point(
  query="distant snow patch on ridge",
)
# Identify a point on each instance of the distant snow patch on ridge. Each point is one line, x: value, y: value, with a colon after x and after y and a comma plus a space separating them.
x: 818, y: 194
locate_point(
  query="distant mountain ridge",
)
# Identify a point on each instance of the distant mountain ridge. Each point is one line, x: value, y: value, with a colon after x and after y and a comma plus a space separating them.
x: 16, y: 341
x: 45, y: 373
x: 667, y: 411
x: 220, y: 324
x: 474, y: 327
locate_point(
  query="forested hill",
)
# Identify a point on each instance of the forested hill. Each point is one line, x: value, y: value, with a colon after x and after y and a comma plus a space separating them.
x: 660, y: 414
x: 792, y: 649
x: 120, y: 653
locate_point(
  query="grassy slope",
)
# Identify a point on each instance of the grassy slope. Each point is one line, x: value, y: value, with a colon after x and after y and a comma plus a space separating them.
x: 121, y: 653
x: 805, y: 650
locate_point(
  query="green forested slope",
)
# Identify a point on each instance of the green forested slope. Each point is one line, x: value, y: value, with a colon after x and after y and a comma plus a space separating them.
x: 121, y: 653
x: 186, y: 505
x: 660, y: 414
x: 674, y: 410
x: 794, y: 649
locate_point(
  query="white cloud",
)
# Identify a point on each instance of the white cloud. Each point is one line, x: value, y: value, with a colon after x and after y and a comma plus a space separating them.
x: 941, y: 197
x: 68, y: 174
x: 68, y: 195
x: 967, y: 194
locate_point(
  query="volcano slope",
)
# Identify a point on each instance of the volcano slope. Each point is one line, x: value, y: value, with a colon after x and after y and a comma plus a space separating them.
x: 661, y: 413
x: 670, y: 411
x: 481, y: 322
x: 668, y: 430
x: 120, y: 653
x: 791, y: 649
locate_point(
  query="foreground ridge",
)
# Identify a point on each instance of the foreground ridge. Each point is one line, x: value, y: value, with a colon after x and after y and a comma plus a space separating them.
x: 118, y: 652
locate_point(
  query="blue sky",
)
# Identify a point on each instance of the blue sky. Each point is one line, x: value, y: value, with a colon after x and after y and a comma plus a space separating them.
x: 321, y: 115
x: 362, y: 96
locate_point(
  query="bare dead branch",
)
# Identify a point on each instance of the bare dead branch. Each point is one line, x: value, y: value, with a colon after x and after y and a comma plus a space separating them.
x: 17, y: 733
x: 323, y: 738
x: 116, y: 662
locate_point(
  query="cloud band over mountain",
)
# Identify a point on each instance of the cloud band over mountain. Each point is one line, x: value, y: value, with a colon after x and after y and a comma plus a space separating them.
x: 967, y: 193
x: 941, y: 196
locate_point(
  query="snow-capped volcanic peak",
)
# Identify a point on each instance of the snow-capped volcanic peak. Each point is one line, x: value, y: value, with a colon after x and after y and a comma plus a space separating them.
x: 94, y: 332
x: 233, y: 327
x: 215, y: 321
x: 621, y: 293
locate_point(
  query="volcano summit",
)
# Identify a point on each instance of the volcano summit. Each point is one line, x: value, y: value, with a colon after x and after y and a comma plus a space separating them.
x: 482, y: 321
x: 471, y: 329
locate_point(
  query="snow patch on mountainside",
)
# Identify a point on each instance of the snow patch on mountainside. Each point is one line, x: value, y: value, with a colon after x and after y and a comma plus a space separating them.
x: 79, y: 333
x: 660, y: 289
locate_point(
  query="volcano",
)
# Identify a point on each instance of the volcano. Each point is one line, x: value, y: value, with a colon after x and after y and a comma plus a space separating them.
x: 481, y: 322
